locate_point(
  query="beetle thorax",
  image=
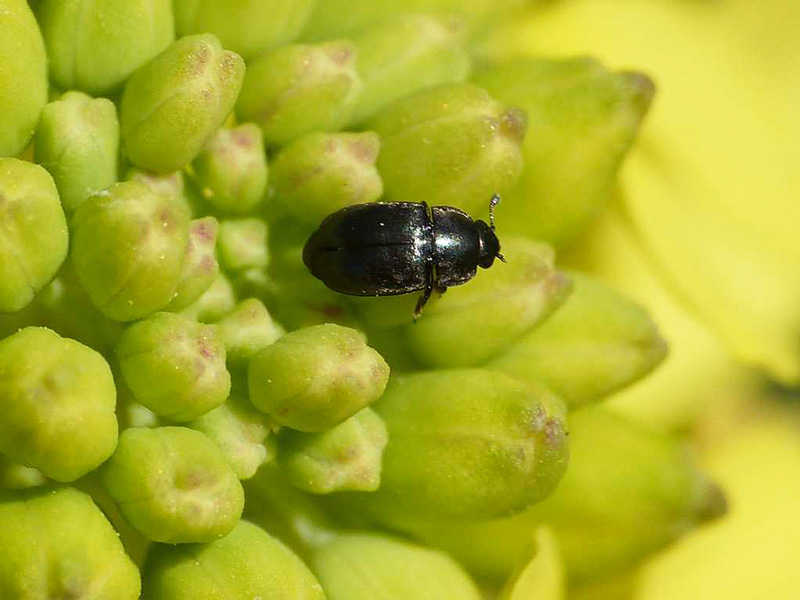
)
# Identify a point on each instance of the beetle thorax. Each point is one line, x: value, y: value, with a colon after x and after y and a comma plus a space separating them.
x: 489, y: 245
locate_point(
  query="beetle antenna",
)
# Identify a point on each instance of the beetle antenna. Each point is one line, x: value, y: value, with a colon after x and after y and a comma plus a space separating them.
x: 492, y: 203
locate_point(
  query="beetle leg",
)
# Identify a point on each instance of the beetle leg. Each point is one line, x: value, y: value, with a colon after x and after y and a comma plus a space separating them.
x: 440, y: 289
x: 423, y: 300
x: 430, y: 284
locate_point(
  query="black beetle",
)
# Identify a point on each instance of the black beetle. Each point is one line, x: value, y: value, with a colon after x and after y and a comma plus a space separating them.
x: 386, y: 249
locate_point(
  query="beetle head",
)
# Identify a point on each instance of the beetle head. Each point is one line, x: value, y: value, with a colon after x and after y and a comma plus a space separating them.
x: 489, y: 244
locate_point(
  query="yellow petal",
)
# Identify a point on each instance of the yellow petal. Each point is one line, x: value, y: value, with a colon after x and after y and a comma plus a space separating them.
x: 712, y: 190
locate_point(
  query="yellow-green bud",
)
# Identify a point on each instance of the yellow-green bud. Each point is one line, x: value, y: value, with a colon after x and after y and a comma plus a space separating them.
x: 174, y: 366
x: 596, y: 344
x: 200, y: 265
x: 56, y: 543
x: 332, y: 18
x: 365, y: 566
x: 466, y: 444
x: 23, y: 76
x: 451, y: 144
x: 77, y: 141
x: 405, y: 54
x: 15, y: 476
x: 582, y: 119
x: 96, y: 47
x: 321, y: 173
x: 217, y: 301
x: 345, y: 457
x: 634, y: 489
x: 314, y: 378
x: 241, y: 432
x: 33, y: 232
x: 246, y: 564
x: 231, y: 170
x: 247, y: 329
x: 57, y: 398
x: 474, y: 322
x: 173, y: 485
x: 246, y: 27
x: 128, y: 247
x: 173, y: 104
x: 243, y: 244
x: 298, y: 89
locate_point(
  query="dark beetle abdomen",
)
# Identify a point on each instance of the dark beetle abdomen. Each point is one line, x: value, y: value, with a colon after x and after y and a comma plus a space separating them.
x: 373, y: 249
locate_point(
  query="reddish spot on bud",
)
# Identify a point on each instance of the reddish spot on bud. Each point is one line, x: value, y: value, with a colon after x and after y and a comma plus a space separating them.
x: 198, y: 60
x: 340, y: 54
x: 207, y: 264
x: 193, y: 480
x: 553, y: 432
x: 242, y: 139
x: 364, y: 149
x: 331, y: 310
x: 228, y: 65
x: 206, y: 351
x: 202, y: 231
x: 167, y: 219
x: 514, y: 123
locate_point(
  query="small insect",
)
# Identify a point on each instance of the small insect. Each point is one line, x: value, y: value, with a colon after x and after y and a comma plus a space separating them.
x: 392, y: 248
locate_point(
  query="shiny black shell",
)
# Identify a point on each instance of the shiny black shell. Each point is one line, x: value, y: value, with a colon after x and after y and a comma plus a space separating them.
x: 384, y: 249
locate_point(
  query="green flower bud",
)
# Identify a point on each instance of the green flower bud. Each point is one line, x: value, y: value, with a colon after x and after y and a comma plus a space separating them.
x: 317, y: 377
x: 23, y: 77
x: 95, y: 48
x: 247, y: 28
x: 451, y: 144
x: 541, y: 577
x: 57, y: 544
x: 174, y: 103
x: 241, y: 432
x: 128, y: 246
x: 169, y: 184
x: 247, y: 329
x: 78, y: 142
x: 333, y: 18
x: 582, y: 119
x: 33, y: 232
x: 345, y: 457
x: 296, y: 517
x: 173, y: 485
x: 243, y: 244
x: 634, y: 489
x: 57, y: 399
x: 364, y: 566
x: 405, y: 54
x: 231, y: 170
x: 298, y: 89
x: 466, y: 444
x: 596, y: 344
x: 174, y: 366
x: 64, y: 307
x: 200, y: 265
x: 246, y: 564
x: 217, y: 301
x: 472, y: 323
x: 321, y: 173
x: 14, y: 476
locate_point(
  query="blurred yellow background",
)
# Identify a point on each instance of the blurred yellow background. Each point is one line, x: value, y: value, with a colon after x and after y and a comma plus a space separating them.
x: 705, y: 232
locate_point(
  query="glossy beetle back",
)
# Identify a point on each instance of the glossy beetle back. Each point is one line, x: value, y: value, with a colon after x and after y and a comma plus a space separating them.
x: 372, y: 249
